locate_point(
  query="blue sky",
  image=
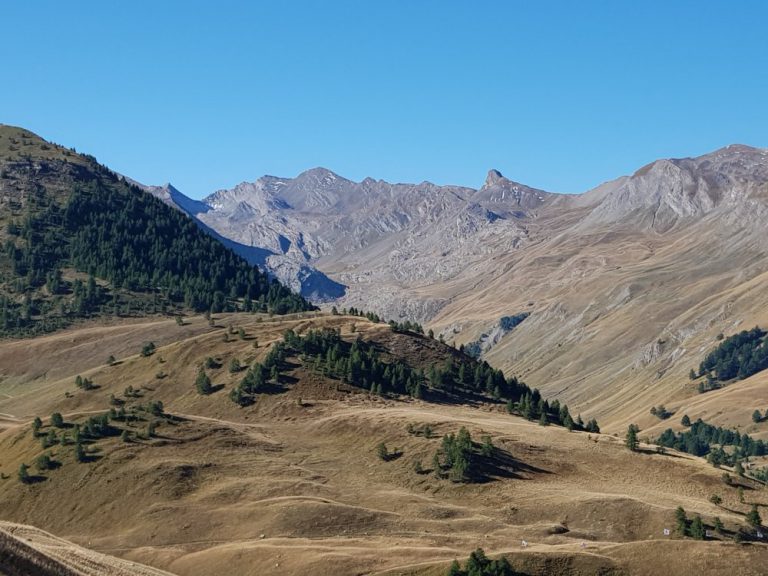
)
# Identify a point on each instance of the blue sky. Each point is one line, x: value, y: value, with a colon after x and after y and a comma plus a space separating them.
x: 558, y: 95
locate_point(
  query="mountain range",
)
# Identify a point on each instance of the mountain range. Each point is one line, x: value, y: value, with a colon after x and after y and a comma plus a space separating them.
x: 623, y: 287
x: 167, y: 407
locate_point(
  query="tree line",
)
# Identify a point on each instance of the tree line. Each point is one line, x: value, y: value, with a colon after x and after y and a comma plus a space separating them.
x: 738, y: 356
x: 152, y: 256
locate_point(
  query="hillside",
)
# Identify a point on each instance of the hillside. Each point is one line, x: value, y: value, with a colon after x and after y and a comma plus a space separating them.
x: 625, y: 287
x: 25, y: 550
x: 295, y: 483
x: 79, y: 241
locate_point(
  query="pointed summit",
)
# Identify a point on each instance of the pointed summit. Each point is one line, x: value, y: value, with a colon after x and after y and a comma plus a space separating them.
x: 494, y: 177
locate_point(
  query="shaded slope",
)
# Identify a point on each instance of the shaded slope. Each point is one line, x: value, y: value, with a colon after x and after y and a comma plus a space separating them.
x: 64, y: 218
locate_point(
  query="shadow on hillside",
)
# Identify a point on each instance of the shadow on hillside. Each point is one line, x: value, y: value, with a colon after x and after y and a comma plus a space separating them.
x: 35, y: 479
x: 88, y: 458
x: 446, y: 398
x: 654, y: 452
x: 500, y: 465
x: 391, y: 456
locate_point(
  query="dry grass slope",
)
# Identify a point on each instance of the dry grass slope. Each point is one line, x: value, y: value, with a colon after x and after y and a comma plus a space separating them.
x: 293, y: 485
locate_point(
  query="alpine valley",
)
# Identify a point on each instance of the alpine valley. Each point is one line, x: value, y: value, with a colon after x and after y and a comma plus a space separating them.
x: 317, y: 376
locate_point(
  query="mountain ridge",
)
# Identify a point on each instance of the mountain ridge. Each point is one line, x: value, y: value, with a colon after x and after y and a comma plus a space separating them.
x: 681, y: 230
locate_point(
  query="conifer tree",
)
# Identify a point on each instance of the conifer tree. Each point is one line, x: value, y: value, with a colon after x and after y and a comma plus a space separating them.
x: 23, y: 474
x: 681, y: 521
x: 203, y: 383
x: 80, y: 455
x: 631, y: 440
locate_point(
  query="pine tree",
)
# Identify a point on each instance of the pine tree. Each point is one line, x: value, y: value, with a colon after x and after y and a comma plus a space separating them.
x: 753, y: 517
x: 487, y: 447
x: 36, y: 425
x: 57, y: 420
x: 757, y: 416
x: 455, y: 569
x: 685, y: 420
x: 697, y: 528
x: 631, y: 440
x: 80, y: 455
x: 436, y: 467
x: 681, y: 521
x: 203, y: 383
x: 43, y: 462
x: 23, y: 474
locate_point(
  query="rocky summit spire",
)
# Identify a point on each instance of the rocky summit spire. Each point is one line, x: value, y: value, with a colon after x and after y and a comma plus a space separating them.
x: 494, y: 177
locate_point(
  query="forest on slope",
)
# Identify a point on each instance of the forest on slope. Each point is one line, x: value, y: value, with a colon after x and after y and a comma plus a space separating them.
x: 80, y: 241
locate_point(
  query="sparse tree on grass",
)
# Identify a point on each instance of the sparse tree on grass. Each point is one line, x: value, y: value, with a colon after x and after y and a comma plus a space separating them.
x: 697, y: 528
x: 718, y: 524
x: 234, y: 366
x: 80, y: 455
x: 487, y: 447
x: 36, y: 425
x: 436, y: 467
x: 681, y: 521
x: 685, y: 420
x: 43, y: 462
x: 631, y: 440
x: 382, y: 452
x: 57, y: 420
x: 49, y: 439
x: 203, y: 383
x: 23, y: 474
x: 715, y: 499
x: 753, y: 517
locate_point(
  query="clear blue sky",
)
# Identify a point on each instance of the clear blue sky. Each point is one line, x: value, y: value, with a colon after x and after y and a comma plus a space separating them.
x: 558, y: 95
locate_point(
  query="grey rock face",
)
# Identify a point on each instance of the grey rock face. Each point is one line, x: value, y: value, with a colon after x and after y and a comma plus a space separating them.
x: 406, y: 250
x: 379, y: 241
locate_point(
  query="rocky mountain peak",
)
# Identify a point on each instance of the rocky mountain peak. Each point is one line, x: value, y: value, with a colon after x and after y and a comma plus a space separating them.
x: 493, y: 178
